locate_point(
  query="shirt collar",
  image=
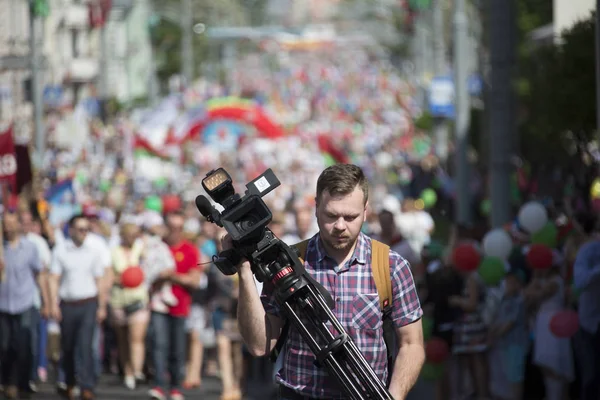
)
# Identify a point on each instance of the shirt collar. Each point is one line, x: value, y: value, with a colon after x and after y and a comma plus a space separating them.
x: 71, y: 245
x: 359, y: 255
x: 19, y: 243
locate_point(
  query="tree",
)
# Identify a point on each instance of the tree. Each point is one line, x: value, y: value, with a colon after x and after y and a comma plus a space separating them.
x: 557, y: 95
x: 165, y: 31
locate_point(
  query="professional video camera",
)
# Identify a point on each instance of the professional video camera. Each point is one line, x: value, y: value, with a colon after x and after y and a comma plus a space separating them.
x: 297, y: 293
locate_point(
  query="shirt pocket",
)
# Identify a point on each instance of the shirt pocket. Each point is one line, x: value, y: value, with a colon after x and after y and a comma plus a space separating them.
x: 366, y: 314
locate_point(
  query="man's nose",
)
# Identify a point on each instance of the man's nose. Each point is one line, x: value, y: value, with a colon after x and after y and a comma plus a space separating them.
x: 340, y: 224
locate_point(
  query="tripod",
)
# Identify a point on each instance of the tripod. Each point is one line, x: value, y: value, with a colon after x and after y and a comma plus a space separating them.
x: 297, y: 293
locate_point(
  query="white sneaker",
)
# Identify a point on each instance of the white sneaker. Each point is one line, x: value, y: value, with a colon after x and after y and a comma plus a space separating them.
x: 130, y: 382
x: 140, y: 377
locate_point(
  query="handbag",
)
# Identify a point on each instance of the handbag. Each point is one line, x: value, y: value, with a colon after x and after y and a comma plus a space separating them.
x: 134, y: 307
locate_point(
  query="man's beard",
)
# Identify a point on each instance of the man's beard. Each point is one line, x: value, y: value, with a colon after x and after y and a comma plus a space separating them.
x: 345, y: 245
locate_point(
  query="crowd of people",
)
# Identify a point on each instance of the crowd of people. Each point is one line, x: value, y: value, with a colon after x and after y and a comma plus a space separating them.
x: 63, y: 290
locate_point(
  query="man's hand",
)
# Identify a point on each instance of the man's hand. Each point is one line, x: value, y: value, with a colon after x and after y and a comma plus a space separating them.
x: 45, y: 312
x: 55, y: 313
x: 101, y: 315
x: 166, y: 274
x: 226, y: 244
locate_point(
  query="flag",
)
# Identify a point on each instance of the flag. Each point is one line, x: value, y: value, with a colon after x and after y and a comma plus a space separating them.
x: 24, y: 174
x: 8, y: 159
x: 56, y: 194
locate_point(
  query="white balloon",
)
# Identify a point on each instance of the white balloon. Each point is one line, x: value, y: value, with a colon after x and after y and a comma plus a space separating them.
x: 497, y: 243
x: 533, y: 216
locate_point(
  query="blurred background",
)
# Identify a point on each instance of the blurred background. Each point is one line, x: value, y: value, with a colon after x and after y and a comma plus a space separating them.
x: 475, y: 121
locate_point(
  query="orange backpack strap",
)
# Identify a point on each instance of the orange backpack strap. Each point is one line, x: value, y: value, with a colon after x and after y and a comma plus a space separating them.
x: 380, y: 263
x: 302, y: 247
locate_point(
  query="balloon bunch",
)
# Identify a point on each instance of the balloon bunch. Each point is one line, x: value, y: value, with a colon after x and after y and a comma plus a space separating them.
x: 533, y: 218
x: 437, y: 352
x: 491, y: 265
x: 165, y: 204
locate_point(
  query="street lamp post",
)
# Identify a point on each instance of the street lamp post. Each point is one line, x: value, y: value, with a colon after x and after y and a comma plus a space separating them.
x: 187, y: 47
x: 463, y: 113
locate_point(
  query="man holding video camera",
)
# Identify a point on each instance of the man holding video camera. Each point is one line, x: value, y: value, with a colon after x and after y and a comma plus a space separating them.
x: 339, y: 258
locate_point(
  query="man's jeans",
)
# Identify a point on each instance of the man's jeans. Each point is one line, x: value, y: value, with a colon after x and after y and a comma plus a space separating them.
x: 77, y: 329
x: 35, y: 343
x: 61, y: 378
x: 588, y: 345
x: 15, y: 348
x: 169, y: 349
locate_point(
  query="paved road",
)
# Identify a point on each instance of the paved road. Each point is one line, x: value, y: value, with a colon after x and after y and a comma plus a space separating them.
x: 111, y: 388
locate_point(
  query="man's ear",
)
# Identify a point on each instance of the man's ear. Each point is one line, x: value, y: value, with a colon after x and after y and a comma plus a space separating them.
x: 366, y: 211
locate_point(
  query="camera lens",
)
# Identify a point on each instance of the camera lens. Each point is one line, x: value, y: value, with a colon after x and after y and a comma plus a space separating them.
x: 247, y: 222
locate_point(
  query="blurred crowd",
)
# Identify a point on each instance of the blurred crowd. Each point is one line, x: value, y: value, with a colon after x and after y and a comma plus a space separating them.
x: 118, y: 257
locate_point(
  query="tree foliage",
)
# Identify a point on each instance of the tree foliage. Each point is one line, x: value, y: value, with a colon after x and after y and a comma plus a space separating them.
x: 557, y: 94
x: 166, y: 32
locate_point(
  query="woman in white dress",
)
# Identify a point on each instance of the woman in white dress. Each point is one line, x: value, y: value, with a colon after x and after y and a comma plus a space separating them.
x: 551, y: 354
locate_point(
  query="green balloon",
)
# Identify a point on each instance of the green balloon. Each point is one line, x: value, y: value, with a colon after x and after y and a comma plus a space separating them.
x: 515, y: 192
x: 429, y: 197
x: 81, y: 177
x: 434, y: 249
x: 161, y: 183
x: 432, y: 372
x: 427, y: 328
x: 104, y: 186
x: 329, y: 160
x: 548, y: 236
x: 485, y: 207
x: 492, y: 271
x: 154, y: 203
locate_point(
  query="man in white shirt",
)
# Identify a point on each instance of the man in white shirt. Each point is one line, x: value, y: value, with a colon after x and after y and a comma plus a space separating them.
x: 76, y: 283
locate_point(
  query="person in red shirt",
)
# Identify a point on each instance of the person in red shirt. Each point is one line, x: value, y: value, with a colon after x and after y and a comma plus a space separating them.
x: 169, y: 328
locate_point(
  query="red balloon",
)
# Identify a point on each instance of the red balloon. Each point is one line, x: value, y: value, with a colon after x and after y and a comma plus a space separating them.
x: 436, y: 350
x: 466, y: 257
x: 170, y: 203
x: 539, y: 256
x: 564, y: 324
x: 132, y: 277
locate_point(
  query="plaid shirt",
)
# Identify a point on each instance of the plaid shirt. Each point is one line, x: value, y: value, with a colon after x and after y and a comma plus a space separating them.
x: 356, y: 307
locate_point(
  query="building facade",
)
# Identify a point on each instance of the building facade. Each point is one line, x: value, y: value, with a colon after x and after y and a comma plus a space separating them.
x: 14, y: 64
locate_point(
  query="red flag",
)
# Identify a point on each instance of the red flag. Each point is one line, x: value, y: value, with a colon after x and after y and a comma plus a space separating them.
x: 8, y: 158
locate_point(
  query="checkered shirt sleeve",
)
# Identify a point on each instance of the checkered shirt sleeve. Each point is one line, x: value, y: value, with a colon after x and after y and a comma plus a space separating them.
x: 268, y: 300
x: 405, y: 301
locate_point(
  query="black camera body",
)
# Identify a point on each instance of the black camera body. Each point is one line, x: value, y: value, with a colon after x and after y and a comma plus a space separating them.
x: 244, y: 218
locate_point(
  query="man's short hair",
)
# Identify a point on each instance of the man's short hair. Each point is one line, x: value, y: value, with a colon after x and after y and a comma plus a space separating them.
x: 341, y: 180
x: 76, y: 218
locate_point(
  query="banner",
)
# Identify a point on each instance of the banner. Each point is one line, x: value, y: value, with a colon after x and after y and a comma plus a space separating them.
x: 8, y: 159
